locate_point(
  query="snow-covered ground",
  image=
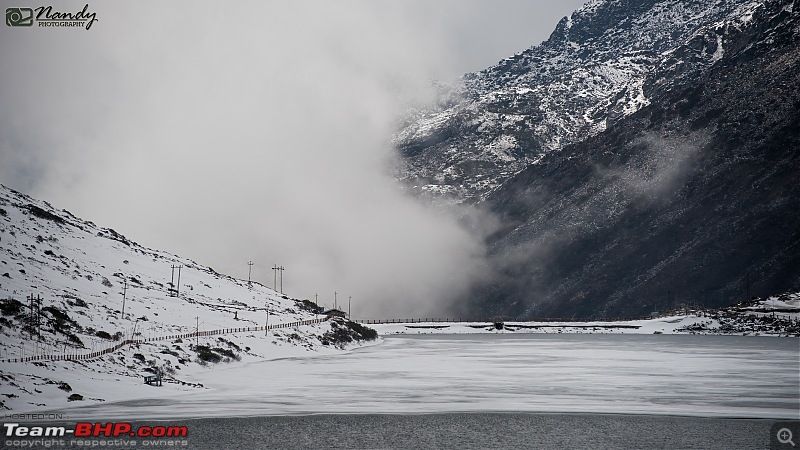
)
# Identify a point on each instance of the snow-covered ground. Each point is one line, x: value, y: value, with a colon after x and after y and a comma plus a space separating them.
x: 786, y: 303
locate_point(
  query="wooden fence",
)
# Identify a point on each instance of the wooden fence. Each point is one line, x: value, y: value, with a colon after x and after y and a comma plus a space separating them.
x: 194, y: 334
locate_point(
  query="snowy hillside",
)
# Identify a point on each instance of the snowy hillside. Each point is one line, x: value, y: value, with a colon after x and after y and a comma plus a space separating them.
x: 81, y: 271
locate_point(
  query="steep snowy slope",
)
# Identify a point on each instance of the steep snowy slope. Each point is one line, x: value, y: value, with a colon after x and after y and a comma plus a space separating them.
x: 82, y: 272
x: 591, y: 72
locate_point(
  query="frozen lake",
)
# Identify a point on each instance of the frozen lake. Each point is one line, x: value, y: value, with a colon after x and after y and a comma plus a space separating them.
x: 710, y: 376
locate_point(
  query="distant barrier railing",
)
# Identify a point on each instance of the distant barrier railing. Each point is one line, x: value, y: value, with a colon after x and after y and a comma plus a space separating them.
x: 486, y: 321
x: 417, y: 320
x: 194, y: 334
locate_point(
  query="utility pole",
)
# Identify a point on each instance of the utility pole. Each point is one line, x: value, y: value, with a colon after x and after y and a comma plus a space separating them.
x: 133, y: 333
x: 348, y: 307
x: 334, y: 299
x: 249, y: 271
x: 266, y: 324
x: 38, y: 315
x: 124, y: 291
x: 197, y: 331
x: 178, y: 291
x: 172, y: 282
x: 31, y: 319
x: 275, y: 277
x: 281, y: 269
x: 316, y: 303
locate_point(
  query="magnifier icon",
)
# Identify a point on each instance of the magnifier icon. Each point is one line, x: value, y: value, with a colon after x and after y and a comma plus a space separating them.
x: 785, y: 436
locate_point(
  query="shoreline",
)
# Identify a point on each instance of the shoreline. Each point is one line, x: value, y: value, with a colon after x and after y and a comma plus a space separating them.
x: 689, y: 324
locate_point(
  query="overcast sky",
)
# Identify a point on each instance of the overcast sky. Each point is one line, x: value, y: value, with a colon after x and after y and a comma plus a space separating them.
x: 229, y: 132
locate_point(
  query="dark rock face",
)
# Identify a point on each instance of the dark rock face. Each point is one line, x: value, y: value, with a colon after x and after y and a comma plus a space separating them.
x: 647, y: 147
x: 697, y: 193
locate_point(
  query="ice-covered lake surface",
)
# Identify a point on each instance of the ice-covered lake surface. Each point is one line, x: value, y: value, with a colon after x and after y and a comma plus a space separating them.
x: 680, y: 375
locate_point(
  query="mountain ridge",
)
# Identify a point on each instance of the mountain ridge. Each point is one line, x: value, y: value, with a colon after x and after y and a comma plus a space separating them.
x: 588, y: 74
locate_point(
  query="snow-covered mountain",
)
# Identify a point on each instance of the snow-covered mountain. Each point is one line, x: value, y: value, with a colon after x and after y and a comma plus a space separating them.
x: 82, y: 273
x: 600, y: 64
x: 645, y: 155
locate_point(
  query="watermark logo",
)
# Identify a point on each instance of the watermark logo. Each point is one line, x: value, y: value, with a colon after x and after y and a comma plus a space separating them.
x: 19, y: 17
x: 47, y: 16
x: 94, y: 434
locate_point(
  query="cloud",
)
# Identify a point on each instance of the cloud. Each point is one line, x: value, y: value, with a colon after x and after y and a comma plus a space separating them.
x: 233, y: 134
x: 255, y: 131
x: 658, y: 168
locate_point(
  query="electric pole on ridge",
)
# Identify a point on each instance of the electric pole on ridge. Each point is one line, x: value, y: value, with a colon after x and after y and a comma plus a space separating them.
x: 124, y: 292
x: 249, y: 272
x: 266, y: 324
x: 175, y: 288
x: 178, y: 290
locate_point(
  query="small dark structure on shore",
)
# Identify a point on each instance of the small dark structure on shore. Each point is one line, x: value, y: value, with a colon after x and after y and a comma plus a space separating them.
x: 152, y: 380
x: 334, y: 313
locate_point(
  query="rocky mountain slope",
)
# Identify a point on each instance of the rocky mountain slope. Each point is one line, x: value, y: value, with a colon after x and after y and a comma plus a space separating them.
x: 646, y: 155
x: 694, y: 198
x: 589, y: 74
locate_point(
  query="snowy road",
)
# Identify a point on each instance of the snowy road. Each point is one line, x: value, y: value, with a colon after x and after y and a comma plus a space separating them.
x: 713, y: 376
